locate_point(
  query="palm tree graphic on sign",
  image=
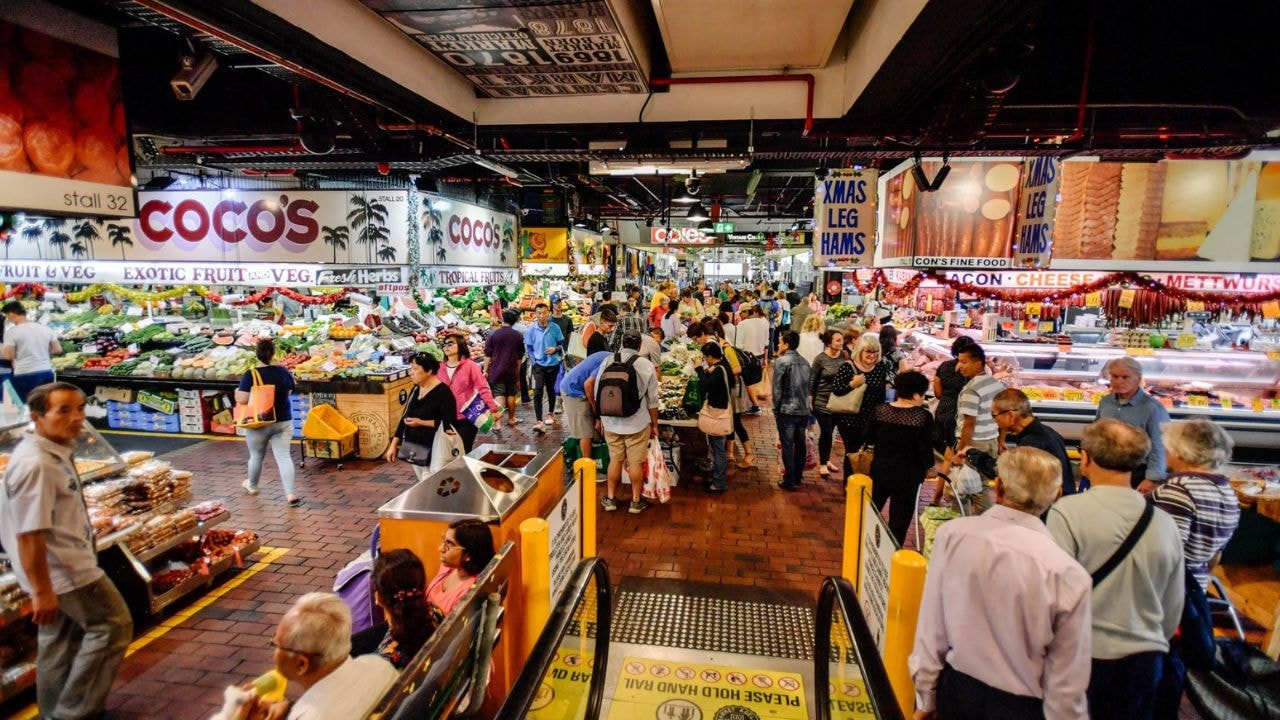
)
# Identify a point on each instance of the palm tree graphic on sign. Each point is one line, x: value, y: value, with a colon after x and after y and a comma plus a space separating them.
x: 369, y: 219
x: 87, y: 232
x: 120, y: 236
x: 57, y: 238
x: 433, y: 224
x: 336, y: 238
x: 33, y: 233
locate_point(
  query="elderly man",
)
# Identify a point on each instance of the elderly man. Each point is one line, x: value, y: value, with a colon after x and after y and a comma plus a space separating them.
x: 84, y: 625
x: 1004, y: 622
x: 1129, y: 403
x: 1011, y: 410
x: 312, y: 651
x: 1135, y: 556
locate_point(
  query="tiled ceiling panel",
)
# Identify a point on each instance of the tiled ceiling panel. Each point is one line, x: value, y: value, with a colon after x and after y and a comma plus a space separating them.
x: 521, y: 49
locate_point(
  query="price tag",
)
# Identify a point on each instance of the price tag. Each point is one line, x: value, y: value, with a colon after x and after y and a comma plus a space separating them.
x: 89, y: 349
x: 1225, y: 402
x: 1275, y: 403
x: 1046, y: 327
x: 1198, y: 401
x: 1271, y: 309
x: 1097, y: 398
x: 1273, y: 354
x: 1195, y: 306
x: 329, y: 366
x: 1033, y: 394
x: 1073, y: 395
x: 145, y: 322
x: 1257, y: 404
x: 1033, y: 309
x: 176, y: 328
x: 1185, y: 341
x: 1127, y: 297
x: 133, y: 348
x: 126, y: 328
x: 134, y: 311
x: 1093, y: 299
x: 1140, y: 352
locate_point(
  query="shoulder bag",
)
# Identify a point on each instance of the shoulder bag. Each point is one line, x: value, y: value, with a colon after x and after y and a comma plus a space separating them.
x: 717, y: 422
x: 260, y: 411
x: 849, y: 403
x: 1126, y: 547
x: 409, y: 451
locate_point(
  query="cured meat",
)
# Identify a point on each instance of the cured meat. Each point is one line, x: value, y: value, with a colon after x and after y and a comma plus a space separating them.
x: 1069, y: 225
x: 1102, y: 199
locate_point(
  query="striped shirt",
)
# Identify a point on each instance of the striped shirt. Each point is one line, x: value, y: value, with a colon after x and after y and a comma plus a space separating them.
x: 1206, y: 511
x: 975, y: 400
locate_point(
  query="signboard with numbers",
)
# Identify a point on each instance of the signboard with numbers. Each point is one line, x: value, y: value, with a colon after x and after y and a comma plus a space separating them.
x: 526, y: 50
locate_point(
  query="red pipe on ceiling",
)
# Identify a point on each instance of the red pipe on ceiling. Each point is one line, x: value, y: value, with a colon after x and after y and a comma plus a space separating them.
x: 806, y: 78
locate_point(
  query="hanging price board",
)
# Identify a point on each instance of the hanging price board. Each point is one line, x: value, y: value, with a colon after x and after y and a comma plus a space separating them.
x: 1127, y: 297
x: 1195, y: 306
x: 1271, y: 309
x: 1093, y: 299
x: 1185, y: 341
x: 1033, y: 309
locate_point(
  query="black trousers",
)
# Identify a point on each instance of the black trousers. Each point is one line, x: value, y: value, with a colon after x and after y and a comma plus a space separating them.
x: 963, y: 697
x: 1125, y: 688
x: 902, y: 507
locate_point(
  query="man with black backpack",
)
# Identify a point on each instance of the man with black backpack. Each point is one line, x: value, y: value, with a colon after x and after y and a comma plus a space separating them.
x: 626, y: 402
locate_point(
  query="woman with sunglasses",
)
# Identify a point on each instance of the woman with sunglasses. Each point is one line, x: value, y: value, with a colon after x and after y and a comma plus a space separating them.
x: 466, y: 380
x: 430, y: 406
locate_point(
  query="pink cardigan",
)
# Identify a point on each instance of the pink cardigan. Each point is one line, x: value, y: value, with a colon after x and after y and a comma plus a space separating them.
x: 464, y: 380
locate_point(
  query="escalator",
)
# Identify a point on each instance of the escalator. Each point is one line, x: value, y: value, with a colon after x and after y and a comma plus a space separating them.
x: 674, y: 650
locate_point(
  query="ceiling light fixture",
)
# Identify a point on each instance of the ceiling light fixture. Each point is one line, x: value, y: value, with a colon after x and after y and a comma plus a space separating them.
x: 497, y: 167
x: 697, y: 213
x: 706, y: 225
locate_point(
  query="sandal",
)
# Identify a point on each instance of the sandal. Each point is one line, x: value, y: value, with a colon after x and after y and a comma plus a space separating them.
x: 822, y: 471
x: 748, y: 461
x: 249, y: 488
x: 513, y: 421
x: 295, y: 502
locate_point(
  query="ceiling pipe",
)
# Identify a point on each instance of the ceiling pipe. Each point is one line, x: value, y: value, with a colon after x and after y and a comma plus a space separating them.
x: 806, y: 78
x: 231, y: 149
x: 1083, y: 106
x: 428, y: 129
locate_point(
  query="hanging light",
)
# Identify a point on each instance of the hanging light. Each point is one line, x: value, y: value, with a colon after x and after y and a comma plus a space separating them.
x: 697, y: 213
x: 580, y: 223
x: 706, y: 225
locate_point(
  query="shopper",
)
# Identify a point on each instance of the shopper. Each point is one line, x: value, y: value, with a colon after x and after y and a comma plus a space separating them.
x: 717, y: 384
x: 1206, y: 510
x: 672, y: 325
x: 713, y: 331
x: 466, y: 382
x: 651, y: 347
x: 1128, y: 402
x: 690, y: 307
x: 278, y: 435
x: 947, y: 384
x: 30, y: 347
x: 975, y: 427
x: 503, y: 352
x: 801, y: 311
x: 562, y: 321
x: 579, y: 384
x: 313, y: 652
x: 1011, y: 409
x: 810, y: 337
x: 1004, y: 626
x: 822, y: 381
x: 466, y: 549
x: 902, y: 434
x: 869, y: 369
x: 598, y: 340
x: 543, y: 345
x: 628, y: 437
x: 84, y: 626
x: 628, y: 322
x: 431, y: 406
x: 726, y: 321
x: 753, y: 332
x: 1137, y: 605
x: 791, y: 408
x: 890, y: 349
x: 523, y: 380
x: 399, y: 590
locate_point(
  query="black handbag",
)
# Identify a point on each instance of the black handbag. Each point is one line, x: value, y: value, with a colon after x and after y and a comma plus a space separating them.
x: 414, y: 453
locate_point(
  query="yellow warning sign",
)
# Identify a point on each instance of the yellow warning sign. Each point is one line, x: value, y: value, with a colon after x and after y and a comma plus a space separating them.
x: 850, y: 701
x: 671, y: 690
x: 563, y: 693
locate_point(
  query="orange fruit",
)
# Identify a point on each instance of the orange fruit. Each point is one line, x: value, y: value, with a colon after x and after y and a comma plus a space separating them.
x: 11, y: 109
x: 92, y: 105
x: 96, y: 148
x: 49, y: 147
x: 10, y: 141
x: 95, y: 175
x: 122, y: 161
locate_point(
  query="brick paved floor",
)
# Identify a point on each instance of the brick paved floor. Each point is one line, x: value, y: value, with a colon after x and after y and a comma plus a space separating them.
x: 754, y: 534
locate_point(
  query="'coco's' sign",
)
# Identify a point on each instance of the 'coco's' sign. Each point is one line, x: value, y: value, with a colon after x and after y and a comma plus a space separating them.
x: 266, y: 220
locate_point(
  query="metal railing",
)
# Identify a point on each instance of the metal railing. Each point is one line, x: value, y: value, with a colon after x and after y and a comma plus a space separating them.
x: 835, y: 596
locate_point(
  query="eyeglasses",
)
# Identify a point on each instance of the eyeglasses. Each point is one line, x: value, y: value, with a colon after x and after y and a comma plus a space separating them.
x: 273, y: 645
x: 449, y: 544
x: 998, y: 414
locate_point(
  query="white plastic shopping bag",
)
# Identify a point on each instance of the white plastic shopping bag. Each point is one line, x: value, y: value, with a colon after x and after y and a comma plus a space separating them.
x: 657, y: 482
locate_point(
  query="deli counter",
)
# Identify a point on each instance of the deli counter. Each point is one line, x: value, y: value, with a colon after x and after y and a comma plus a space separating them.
x: 1238, y: 389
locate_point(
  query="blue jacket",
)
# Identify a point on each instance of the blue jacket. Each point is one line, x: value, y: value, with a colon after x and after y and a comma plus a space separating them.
x: 538, y: 339
x: 791, y: 385
x: 574, y: 382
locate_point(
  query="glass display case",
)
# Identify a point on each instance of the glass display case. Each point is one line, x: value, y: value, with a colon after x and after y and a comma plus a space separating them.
x: 95, y: 458
x: 1237, y: 389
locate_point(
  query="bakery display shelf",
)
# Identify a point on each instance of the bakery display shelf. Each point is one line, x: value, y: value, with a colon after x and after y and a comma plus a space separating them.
x: 164, y: 547
x: 11, y: 616
x: 182, y: 589
x: 28, y: 678
x: 115, y: 538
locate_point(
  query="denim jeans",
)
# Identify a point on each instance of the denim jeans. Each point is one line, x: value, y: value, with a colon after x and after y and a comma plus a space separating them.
x: 719, y: 460
x: 23, y: 384
x: 276, y: 436
x: 791, y: 435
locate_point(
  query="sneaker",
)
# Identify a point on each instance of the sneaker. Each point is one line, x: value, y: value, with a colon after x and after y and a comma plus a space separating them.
x: 608, y: 503
x: 638, y: 506
x: 537, y: 427
x: 753, y: 410
x: 249, y: 488
x: 549, y: 420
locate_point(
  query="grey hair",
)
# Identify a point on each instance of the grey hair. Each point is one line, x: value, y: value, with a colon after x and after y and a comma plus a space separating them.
x: 1031, y: 479
x: 1199, y: 442
x: 1012, y: 399
x: 1125, y: 362
x: 867, y: 341
x: 321, y: 626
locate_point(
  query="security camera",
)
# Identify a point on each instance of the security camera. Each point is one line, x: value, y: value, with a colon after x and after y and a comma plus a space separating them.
x: 524, y: 212
x: 192, y: 76
x: 693, y: 185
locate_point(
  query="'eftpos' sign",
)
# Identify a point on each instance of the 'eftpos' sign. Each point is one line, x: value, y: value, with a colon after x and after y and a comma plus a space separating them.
x: 844, y: 218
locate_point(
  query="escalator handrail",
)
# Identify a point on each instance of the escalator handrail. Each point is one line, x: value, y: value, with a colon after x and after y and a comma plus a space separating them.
x: 525, y: 689
x: 836, y: 593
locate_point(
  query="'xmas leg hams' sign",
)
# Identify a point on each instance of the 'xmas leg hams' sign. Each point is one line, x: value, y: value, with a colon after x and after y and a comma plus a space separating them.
x: 844, y: 218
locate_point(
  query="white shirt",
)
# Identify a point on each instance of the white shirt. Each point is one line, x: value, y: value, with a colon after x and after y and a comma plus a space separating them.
x: 31, y: 342
x: 350, y: 691
x: 647, y: 377
x: 810, y: 346
x: 753, y: 335
x: 1005, y: 605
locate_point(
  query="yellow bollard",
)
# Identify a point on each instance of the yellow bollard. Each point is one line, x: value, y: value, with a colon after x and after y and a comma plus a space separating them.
x: 906, y: 588
x: 535, y: 573
x: 584, y: 471
x: 858, y: 484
